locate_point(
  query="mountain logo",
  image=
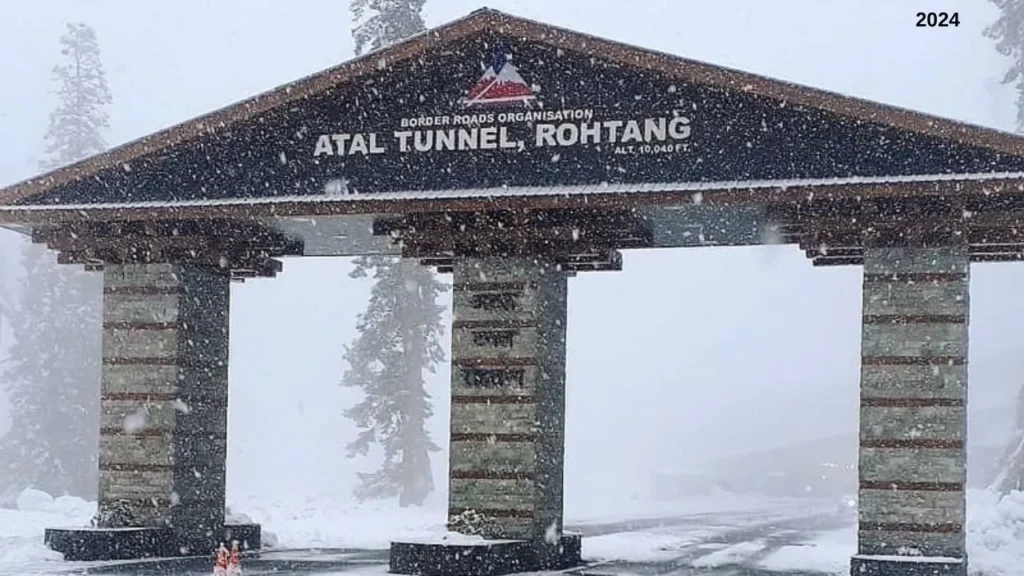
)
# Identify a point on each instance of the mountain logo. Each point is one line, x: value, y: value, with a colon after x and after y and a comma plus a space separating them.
x: 500, y: 85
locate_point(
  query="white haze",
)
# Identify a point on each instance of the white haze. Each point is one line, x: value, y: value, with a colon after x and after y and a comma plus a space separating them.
x: 685, y: 355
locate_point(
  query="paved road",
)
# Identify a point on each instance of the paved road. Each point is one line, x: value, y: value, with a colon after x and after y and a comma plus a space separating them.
x: 772, y: 535
x: 730, y: 529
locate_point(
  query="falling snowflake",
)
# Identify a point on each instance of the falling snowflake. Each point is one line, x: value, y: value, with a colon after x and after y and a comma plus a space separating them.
x: 135, y: 421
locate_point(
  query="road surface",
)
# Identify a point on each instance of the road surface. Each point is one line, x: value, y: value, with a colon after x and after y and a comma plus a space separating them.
x: 710, y: 532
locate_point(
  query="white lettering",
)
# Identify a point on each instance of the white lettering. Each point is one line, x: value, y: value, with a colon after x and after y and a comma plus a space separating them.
x: 468, y: 139
x: 654, y: 129
x: 632, y: 132
x: 403, y: 140
x: 489, y: 138
x: 323, y: 146
x: 546, y: 135
x: 590, y: 131
x: 423, y: 141
x: 613, y: 129
x: 359, y: 145
x: 567, y: 134
x: 562, y: 128
x: 374, y: 147
x: 679, y: 128
x: 505, y: 141
x: 340, y: 140
x: 444, y: 140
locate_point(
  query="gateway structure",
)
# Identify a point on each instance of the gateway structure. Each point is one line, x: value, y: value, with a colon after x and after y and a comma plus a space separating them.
x: 514, y: 155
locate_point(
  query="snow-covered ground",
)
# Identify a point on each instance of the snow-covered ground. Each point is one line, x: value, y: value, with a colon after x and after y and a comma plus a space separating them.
x: 323, y: 522
x: 21, y: 531
x: 995, y: 538
x: 995, y: 541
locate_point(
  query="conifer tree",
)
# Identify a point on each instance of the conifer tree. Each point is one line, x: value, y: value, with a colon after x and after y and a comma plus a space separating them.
x: 1011, y: 469
x: 400, y: 332
x: 400, y: 339
x: 1008, y: 33
x: 389, y: 21
x: 53, y: 367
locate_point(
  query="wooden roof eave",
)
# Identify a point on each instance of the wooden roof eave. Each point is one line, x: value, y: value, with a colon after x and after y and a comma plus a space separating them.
x: 768, y: 194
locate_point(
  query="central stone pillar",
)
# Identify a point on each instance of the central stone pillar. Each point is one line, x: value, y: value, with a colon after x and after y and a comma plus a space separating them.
x: 913, y: 415
x: 508, y: 399
x: 163, y: 436
x: 507, y: 424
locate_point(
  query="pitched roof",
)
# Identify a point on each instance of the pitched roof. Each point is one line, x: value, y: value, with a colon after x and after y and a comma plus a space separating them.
x: 524, y: 29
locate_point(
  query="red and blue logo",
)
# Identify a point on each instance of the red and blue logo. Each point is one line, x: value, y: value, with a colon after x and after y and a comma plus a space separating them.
x: 501, y: 85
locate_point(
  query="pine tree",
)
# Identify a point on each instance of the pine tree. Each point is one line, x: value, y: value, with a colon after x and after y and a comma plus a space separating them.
x: 391, y: 21
x: 1011, y: 470
x: 1008, y: 32
x: 400, y: 337
x: 400, y: 332
x: 53, y: 367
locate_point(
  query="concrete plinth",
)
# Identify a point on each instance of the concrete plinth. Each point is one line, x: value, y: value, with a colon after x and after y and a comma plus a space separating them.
x: 887, y: 566
x: 485, y: 559
x: 94, y: 544
x: 913, y: 411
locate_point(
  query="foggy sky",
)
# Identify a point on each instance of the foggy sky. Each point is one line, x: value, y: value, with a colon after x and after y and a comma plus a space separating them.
x: 683, y: 355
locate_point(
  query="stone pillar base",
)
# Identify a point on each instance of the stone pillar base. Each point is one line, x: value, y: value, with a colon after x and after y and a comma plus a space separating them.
x: 91, y: 544
x: 861, y: 565
x: 484, y: 559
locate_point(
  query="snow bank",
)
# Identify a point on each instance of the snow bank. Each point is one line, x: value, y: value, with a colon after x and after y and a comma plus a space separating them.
x: 325, y: 523
x: 995, y: 540
x: 21, y: 530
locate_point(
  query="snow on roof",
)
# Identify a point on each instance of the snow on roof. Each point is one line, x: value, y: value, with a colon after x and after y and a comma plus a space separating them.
x: 524, y: 191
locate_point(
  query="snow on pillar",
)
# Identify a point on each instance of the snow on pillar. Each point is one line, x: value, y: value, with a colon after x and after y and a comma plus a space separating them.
x: 163, y: 437
x: 913, y: 417
x: 508, y: 399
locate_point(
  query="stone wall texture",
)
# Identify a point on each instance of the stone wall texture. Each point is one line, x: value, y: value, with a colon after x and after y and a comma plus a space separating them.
x: 508, y: 396
x: 163, y: 441
x: 913, y: 418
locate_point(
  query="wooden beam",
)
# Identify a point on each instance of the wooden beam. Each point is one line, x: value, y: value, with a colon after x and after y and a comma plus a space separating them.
x: 278, y: 246
x: 839, y: 252
x: 998, y: 257
x: 839, y: 261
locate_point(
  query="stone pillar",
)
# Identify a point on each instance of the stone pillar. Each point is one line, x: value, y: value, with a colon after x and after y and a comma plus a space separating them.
x: 913, y: 418
x: 163, y: 437
x: 508, y: 399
